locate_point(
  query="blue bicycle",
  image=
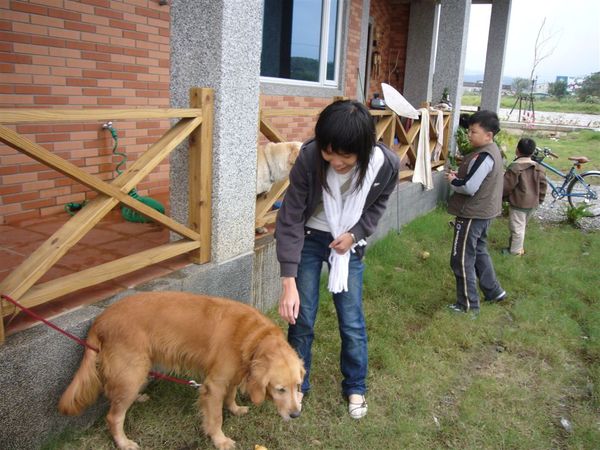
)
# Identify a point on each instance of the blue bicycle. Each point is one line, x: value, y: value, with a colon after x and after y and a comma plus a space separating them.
x: 579, y: 188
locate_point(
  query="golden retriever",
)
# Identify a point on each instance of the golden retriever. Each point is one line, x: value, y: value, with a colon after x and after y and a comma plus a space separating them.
x: 274, y: 162
x: 231, y: 344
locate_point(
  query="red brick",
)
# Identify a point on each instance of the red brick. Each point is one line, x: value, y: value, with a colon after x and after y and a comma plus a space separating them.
x: 49, y: 42
x: 136, y: 36
x: 12, y: 189
x: 96, y: 56
x: 32, y: 89
x: 108, y: 13
x: 101, y: 3
x: 81, y: 46
x: 135, y: 69
x: 136, y: 52
x: 62, y: 14
x: 55, y: 137
x: 109, y: 49
x: 148, y: 12
x: 111, y: 101
x: 81, y: 82
x: 15, y: 37
x: 8, y: 170
x: 78, y: 26
x: 49, y: 100
x: 110, y: 67
x: 28, y: 8
x: 96, y: 92
x: 21, y: 198
x: 7, y: 68
x: 15, y: 59
x: 122, y: 24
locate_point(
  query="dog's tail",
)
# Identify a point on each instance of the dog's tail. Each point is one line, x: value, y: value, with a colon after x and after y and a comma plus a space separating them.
x: 85, y: 386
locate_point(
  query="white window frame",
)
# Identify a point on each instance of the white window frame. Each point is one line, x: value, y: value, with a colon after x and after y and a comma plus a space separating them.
x: 323, y: 82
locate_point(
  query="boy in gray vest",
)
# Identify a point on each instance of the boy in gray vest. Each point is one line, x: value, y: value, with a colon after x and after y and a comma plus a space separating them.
x: 524, y: 188
x: 476, y: 199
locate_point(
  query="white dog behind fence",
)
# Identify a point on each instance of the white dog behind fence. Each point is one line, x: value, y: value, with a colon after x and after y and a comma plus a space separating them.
x: 274, y: 162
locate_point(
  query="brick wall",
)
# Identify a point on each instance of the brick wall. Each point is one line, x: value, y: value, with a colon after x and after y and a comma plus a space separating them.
x: 80, y: 54
x: 391, y: 33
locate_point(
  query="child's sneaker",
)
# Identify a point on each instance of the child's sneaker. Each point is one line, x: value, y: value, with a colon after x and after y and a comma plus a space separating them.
x: 357, y: 406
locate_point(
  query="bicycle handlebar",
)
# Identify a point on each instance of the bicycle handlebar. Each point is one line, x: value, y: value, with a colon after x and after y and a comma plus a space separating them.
x: 546, y: 152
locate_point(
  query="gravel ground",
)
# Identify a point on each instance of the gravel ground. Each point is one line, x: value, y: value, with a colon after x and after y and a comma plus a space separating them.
x: 554, y: 212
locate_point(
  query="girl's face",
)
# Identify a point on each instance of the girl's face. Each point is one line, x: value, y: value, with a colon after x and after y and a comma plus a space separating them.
x: 478, y: 136
x: 340, y: 162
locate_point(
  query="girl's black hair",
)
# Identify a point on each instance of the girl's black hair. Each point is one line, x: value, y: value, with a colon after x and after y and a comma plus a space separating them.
x: 348, y: 127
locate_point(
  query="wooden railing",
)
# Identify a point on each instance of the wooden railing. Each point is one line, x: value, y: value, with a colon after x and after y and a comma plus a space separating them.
x: 389, y: 127
x: 195, y: 123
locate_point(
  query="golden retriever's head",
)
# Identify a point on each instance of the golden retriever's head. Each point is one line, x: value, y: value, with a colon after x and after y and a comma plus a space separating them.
x: 276, y: 373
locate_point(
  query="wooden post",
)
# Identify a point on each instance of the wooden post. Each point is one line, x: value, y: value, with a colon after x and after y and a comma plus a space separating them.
x: 2, y: 338
x: 200, y: 173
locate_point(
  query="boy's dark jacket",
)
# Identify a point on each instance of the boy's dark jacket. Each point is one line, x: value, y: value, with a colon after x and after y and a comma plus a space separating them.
x: 524, y: 183
x: 305, y: 193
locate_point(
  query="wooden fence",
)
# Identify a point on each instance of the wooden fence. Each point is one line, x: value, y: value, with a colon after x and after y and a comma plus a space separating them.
x: 389, y: 128
x: 195, y: 122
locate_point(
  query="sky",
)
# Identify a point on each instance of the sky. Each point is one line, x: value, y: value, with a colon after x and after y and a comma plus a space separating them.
x: 572, y: 29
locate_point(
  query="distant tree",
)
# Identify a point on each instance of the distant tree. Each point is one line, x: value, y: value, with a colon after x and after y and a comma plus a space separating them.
x: 540, y: 51
x: 590, y: 87
x: 558, y: 89
x: 520, y: 85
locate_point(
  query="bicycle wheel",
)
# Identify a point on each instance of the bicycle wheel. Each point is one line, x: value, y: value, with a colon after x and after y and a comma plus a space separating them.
x: 586, y: 192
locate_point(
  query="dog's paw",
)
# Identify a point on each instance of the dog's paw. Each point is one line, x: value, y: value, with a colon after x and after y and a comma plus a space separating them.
x: 142, y: 398
x: 224, y: 444
x: 128, y: 445
x: 239, y: 410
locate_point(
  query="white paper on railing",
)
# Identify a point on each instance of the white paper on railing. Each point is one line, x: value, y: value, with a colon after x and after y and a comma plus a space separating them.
x: 397, y: 103
x: 422, y: 173
x: 439, y: 129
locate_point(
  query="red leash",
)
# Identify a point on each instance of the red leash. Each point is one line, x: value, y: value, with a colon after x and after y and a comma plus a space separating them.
x: 80, y: 341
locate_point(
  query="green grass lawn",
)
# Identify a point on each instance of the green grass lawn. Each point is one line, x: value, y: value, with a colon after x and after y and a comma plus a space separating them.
x: 436, y: 379
x: 569, y: 105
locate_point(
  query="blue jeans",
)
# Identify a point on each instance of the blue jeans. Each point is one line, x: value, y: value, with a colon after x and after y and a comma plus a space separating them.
x: 348, y: 305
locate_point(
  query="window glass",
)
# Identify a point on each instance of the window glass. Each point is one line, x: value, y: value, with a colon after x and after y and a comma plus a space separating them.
x: 332, y: 41
x: 300, y: 40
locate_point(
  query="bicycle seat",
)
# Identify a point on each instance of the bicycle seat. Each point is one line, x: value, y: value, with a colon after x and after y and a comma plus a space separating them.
x: 579, y: 159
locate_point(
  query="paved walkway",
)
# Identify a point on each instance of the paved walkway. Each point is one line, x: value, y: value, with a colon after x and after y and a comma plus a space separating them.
x: 548, y: 118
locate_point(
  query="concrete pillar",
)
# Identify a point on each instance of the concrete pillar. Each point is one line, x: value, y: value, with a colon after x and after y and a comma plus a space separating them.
x: 451, y: 52
x: 217, y: 44
x: 496, y: 50
x: 420, y: 52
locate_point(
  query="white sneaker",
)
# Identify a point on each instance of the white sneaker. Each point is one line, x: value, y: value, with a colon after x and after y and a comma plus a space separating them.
x: 357, y: 406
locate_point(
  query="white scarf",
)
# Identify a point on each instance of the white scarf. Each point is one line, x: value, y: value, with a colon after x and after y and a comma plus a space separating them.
x: 343, y: 216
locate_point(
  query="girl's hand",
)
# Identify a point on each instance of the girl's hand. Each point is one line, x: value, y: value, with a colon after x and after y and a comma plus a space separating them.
x: 342, y: 244
x: 289, y: 302
x: 451, y: 175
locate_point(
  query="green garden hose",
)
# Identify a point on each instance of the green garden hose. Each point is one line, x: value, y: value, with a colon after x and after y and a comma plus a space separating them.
x: 129, y: 214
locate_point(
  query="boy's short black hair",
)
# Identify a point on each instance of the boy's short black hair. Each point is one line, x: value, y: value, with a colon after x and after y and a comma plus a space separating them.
x: 488, y: 120
x: 526, y: 146
x: 463, y: 120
